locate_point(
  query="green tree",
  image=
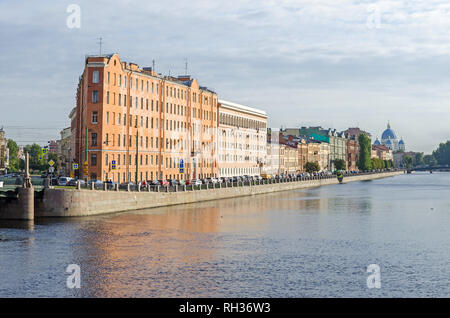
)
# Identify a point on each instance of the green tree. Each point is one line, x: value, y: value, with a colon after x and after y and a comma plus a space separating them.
x: 311, y: 167
x: 340, y: 164
x: 13, y: 155
x: 377, y: 163
x: 418, y: 159
x: 37, y: 161
x: 407, y: 161
x: 442, y: 154
x: 365, y: 149
x: 429, y: 160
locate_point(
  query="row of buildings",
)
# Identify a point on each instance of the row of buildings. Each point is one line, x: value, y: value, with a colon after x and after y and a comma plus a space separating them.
x: 131, y: 123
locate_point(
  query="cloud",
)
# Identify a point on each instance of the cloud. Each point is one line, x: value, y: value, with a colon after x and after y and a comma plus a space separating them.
x: 301, y: 61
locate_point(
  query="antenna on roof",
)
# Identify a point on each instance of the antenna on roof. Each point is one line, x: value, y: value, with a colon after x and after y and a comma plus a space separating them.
x: 153, y: 65
x: 185, y: 66
x: 100, y: 44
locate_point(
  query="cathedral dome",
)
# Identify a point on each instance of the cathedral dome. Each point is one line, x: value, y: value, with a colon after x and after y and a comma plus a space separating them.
x: 377, y: 142
x: 401, y: 142
x: 388, y: 133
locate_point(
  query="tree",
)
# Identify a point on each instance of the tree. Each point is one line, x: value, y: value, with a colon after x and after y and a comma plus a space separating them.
x: 311, y: 167
x: 365, y: 149
x: 340, y: 164
x: 13, y: 155
x: 407, y: 160
x: 429, y: 160
x: 377, y: 163
x: 37, y: 161
x: 418, y: 159
x: 442, y: 154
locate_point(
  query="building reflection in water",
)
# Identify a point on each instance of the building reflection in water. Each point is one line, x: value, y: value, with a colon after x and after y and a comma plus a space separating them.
x: 173, y: 251
x: 152, y: 248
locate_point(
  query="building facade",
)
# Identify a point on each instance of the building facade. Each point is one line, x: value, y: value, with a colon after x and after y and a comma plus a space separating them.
x: 352, y: 152
x: 4, y: 152
x: 133, y: 124
x: 242, y: 140
x: 64, y: 152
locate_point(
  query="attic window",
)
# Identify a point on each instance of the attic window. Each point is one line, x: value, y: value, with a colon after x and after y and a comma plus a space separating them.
x: 115, y: 62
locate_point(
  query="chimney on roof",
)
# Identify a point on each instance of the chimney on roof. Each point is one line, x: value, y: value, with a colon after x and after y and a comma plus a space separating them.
x: 184, y: 78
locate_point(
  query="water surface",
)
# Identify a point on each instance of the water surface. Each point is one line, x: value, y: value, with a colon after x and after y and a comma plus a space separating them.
x: 313, y: 242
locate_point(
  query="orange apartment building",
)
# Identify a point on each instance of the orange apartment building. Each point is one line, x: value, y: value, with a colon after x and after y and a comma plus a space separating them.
x: 132, y: 124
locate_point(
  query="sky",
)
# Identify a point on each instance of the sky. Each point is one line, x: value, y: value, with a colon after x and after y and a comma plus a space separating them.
x: 332, y: 63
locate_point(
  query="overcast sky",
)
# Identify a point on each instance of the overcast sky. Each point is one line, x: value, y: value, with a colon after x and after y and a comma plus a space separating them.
x: 333, y: 63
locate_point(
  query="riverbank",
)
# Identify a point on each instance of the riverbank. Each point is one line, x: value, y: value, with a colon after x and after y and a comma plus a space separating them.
x: 83, y: 202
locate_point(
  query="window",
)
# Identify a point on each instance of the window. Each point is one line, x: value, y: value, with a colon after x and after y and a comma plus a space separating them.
x: 120, y: 99
x: 95, y: 77
x: 93, y: 159
x: 95, y: 96
x: 107, y: 78
x: 94, y: 117
x: 93, y: 139
x: 107, y: 117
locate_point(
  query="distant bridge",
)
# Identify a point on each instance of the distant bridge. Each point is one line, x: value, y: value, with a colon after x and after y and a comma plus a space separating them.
x: 433, y: 168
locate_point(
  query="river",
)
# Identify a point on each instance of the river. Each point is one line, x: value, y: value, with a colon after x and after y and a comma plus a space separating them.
x: 315, y: 242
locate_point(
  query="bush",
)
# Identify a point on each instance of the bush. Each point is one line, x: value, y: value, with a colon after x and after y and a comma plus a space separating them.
x: 311, y: 167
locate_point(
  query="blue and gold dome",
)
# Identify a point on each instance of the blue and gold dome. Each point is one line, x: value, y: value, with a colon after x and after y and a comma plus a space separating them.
x: 388, y: 133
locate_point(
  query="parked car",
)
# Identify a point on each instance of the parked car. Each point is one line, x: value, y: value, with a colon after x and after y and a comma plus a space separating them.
x: 62, y: 181
x: 73, y: 182
x: 173, y: 182
x: 212, y: 180
x: 224, y: 179
x: 97, y: 183
x: 197, y: 182
x: 205, y: 181
x: 266, y: 176
x: 154, y: 182
x: 164, y: 183
x: 181, y: 182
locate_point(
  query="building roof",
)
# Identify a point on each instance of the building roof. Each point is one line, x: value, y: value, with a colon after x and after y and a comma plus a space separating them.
x: 240, y: 107
x: 388, y: 133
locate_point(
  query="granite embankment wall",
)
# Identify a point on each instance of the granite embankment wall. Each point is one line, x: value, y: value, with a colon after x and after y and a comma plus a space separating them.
x: 72, y: 203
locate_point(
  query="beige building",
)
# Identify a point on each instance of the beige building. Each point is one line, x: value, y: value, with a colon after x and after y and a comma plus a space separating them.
x: 64, y: 152
x: 4, y: 152
x: 272, y: 164
x: 241, y: 138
